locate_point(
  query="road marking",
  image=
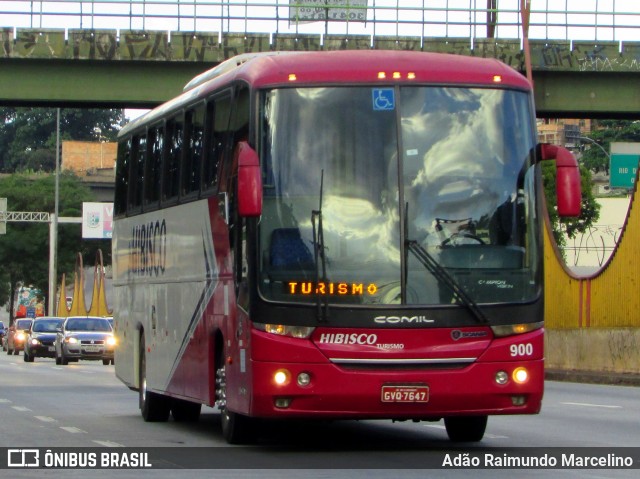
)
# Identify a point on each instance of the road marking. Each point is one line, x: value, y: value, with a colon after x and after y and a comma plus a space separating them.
x: 435, y: 426
x: 109, y: 443
x: 73, y: 430
x: 4, y: 401
x: 21, y: 408
x: 45, y: 418
x: 584, y: 404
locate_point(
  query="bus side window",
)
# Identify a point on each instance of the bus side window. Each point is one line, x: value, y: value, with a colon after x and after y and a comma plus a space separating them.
x: 171, y: 168
x: 194, y: 135
x: 122, y: 177
x: 218, y: 110
x: 136, y: 172
x: 152, y: 167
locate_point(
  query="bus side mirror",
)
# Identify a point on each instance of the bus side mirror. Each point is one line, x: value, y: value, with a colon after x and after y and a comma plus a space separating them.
x: 568, y: 189
x: 249, y: 181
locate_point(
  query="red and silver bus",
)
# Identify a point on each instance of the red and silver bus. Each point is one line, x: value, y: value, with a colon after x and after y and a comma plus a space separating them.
x: 338, y: 235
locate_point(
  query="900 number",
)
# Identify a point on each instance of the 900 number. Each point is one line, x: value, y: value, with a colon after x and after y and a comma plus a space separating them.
x: 525, y: 349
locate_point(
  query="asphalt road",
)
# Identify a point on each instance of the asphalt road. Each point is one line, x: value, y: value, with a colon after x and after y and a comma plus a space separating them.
x: 83, y: 405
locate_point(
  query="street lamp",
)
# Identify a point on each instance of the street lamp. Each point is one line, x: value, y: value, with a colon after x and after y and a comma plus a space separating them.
x: 593, y: 142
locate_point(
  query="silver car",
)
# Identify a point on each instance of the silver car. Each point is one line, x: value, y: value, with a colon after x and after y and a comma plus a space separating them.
x: 85, y: 337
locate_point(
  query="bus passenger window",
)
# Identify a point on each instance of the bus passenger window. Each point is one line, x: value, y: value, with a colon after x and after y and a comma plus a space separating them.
x: 171, y: 169
x: 219, y: 109
x: 136, y: 181
x: 193, y: 156
x: 122, y: 177
x: 153, y: 165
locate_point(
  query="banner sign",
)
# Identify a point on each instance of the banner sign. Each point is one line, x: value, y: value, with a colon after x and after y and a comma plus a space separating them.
x: 332, y: 10
x: 97, y: 220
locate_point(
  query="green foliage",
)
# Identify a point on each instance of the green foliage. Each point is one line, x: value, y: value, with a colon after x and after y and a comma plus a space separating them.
x: 24, y: 250
x: 590, y: 211
x: 28, y: 135
x: 604, y: 133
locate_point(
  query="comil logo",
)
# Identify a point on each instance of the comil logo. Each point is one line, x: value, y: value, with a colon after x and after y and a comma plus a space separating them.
x: 23, y: 458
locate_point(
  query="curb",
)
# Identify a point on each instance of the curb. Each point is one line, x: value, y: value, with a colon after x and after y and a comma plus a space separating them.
x: 593, y: 377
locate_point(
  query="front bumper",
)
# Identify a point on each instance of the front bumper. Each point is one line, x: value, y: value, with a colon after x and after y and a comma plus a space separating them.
x: 339, y: 392
x: 90, y: 352
x: 41, y: 350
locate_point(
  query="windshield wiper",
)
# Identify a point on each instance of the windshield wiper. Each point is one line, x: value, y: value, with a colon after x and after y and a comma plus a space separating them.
x: 318, y: 252
x: 441, y: 274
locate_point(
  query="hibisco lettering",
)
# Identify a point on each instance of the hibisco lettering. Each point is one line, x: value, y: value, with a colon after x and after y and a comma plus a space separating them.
x: 354, y: 338
x: 148, y: 249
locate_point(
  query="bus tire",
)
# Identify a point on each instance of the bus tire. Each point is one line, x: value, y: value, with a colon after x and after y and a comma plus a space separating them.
x: 236, y: 428
x: 185, y: 411
x: 465, y: 428
x: 154, y: 407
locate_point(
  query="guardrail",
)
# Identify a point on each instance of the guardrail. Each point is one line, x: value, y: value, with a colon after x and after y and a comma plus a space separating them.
x: 549, y: 19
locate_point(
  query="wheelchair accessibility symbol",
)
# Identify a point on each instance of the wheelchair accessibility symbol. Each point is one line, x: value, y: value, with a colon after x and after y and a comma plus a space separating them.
x: 384, y: 99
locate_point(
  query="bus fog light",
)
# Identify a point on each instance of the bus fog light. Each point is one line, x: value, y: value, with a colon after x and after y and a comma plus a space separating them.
x: 520, y: 375
x: 281, y: 377
x: 304, y: 379
x: 282, y: 403
x: 502, y: 377
x: 518, y: 400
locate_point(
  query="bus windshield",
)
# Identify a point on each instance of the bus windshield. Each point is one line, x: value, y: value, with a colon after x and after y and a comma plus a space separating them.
x: 361, y: 184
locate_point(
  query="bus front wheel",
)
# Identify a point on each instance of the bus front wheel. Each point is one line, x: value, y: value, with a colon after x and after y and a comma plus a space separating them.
x: 154, y: 407
x: 236, y: 428
x: 465, y: 429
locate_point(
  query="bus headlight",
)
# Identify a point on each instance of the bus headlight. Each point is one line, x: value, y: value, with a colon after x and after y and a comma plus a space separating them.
x: 520, y: 375
x: 502, y: 377
x: 300, y: 332
x: 501, y: 331
x: 282, y: 377
x: 304, y: 379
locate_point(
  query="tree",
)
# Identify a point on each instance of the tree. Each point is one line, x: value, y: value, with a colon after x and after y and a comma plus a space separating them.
x: 604, y: 133
x: 590, y: 211
x: 24, y: 250
x: 28, y: 135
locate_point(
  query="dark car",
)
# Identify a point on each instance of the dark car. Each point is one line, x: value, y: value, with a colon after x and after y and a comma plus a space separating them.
x: 84, y: 337
x: 17, y: 335
x: 41, y: 338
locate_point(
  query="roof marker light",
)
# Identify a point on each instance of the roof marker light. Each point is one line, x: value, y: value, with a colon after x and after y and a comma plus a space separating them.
x: 292, y: 77
x: 411, y: 76
x: 382, y: 75
x: 396, y: 75
x: 497, y: 78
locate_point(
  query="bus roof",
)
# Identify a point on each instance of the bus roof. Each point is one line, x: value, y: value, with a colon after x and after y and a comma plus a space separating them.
x: 279, y: 69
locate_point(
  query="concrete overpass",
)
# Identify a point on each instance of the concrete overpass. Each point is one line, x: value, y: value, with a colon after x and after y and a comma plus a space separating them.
x: 140, y: 69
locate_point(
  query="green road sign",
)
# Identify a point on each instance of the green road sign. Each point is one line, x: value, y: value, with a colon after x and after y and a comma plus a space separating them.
x: 623, y: 164
x: 623, y: 170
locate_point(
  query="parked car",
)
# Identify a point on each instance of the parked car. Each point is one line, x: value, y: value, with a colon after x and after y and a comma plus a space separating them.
x: 17, y: 335
x: 84, y: 337
x: 41, y: 338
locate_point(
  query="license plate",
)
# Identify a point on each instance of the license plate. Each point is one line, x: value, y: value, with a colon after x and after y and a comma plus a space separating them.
x: 405, y: 394
x: 92, y: 348
x: 52, y: 349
